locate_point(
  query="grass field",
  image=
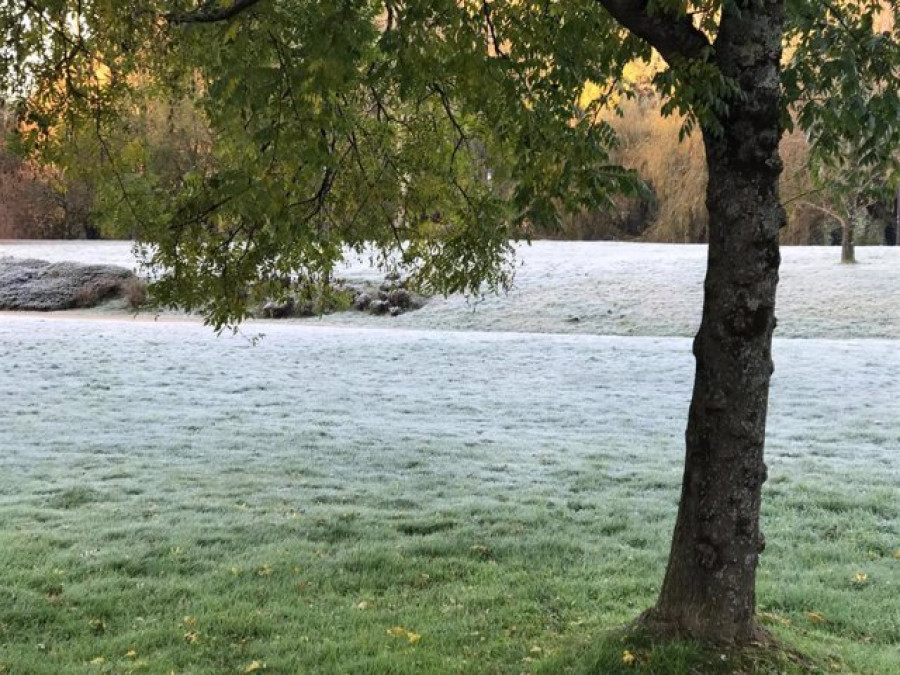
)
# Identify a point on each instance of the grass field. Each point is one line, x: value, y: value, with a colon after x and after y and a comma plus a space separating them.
x: 341, y: 500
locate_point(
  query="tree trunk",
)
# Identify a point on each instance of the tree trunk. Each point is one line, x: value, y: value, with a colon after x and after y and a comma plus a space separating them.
x: 709, y: 587
x: 848, y: 256
x: 897, y: 220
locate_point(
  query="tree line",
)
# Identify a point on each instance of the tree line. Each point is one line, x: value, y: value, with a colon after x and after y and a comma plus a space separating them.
x: 59, y: 202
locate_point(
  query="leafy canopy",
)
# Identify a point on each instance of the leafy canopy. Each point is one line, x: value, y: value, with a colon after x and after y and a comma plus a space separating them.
x: 426, y: 133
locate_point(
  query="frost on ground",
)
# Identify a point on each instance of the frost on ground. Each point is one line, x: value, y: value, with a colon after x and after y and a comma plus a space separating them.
x: 604, y: 288
x: 158, y: 408
x: 125, y: 441
x: 448, y: 412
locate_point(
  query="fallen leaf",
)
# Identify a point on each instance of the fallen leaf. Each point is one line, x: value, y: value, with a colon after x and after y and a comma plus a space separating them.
x: 264, y: 571
x: 363, y: 605
x: 99, y: 661
x: 131, y: 654
x: 192, y: 637
x: 815, y: 617
x: 860, y: 577
x: 628, y: 658
x: 777, y: 618
x: 189, y: 621
x: 400, y: 631
x: 253, y: 667
x: 535, y: 650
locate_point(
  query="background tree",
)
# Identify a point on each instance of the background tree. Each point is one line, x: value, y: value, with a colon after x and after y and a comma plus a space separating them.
x: 377, y: 124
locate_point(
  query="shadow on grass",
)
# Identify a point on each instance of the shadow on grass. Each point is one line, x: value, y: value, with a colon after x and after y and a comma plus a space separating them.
x: 633, y: 651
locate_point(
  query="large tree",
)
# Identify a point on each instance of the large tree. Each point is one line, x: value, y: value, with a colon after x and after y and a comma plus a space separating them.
x: 431, y: 132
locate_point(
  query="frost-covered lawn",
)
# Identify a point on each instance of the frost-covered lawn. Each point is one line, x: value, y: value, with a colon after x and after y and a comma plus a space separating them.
x: 618, y: 289
x: 338, y: 500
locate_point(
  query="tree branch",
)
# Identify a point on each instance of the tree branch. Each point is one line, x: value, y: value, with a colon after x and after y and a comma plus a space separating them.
x: 828, y: 212
x: 212, y: 14
x: 673, y: 36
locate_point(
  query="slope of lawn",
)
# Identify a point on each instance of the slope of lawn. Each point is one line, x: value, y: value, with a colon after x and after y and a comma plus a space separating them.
x: 338, y: 500
x: 608, y: 288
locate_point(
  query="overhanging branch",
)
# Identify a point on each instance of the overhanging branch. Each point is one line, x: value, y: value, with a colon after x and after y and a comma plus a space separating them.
x: 211, y: 14
x: 673, y: 36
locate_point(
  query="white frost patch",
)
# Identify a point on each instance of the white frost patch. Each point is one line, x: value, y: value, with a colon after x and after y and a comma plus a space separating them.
x: 607, y: 288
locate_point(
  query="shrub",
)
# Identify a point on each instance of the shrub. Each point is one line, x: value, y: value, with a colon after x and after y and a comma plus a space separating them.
x: 134, y: 292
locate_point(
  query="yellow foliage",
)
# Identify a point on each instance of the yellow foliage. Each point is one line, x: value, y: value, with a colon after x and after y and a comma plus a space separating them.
x: 675, y: 170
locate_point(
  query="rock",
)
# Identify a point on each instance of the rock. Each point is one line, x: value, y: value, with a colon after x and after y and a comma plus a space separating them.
x: 378, y: 307
x: 400, y: 298
x: 37, y: 285
x: 278, y: 310
x: 362, y: 301
x: 395, y: 311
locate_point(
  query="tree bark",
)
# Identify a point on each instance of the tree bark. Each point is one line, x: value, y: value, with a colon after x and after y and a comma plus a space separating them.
x: 848, y: 254
x: 709, y: 587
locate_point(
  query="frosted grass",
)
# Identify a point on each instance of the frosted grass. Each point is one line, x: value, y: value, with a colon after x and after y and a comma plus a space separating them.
x: 136, y: 452
x: 470, y: 412
x: 608, y: 288
x: 454, y: 416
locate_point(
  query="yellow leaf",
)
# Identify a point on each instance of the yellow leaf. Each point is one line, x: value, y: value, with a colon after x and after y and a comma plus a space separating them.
x: 777, y: 618
x: 535, y: 650
x: 815, y: 617
x: 413, y: 637
x: 860, y: 577
x: 253, y: 667
x: 628, y: 658
x: 99, y: 661
x: 397, y: 631
x: 264, y: 571
x: 897, y: 554
x: 363, y: 605
x: 131, y: 654
x: 191, y: 637
x: 189, y: 621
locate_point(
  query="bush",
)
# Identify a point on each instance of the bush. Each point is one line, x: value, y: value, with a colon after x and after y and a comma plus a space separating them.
x: 134, y: 292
